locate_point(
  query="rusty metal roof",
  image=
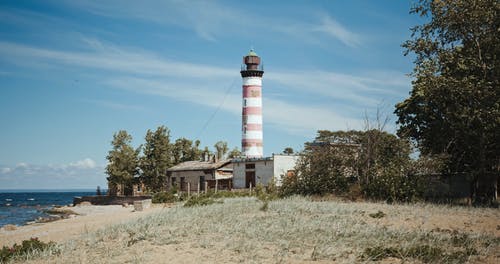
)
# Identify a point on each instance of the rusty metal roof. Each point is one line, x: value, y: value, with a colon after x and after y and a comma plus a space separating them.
x: 199, y: 165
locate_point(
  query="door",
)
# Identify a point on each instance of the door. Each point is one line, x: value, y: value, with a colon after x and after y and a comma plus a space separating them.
x: 250, y: 178
x: 202, y: 183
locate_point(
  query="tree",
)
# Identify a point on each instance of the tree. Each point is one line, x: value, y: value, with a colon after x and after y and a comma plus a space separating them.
x: 185, y: 150
x: 454, y: 106
x: 234, y: 153
x: 205, y: 154
x: 156, y: 158
x: 336, y: 158
x: 288, y: 151
x: 221, y: 149
x: 122, y: 162
x: 377, y: 151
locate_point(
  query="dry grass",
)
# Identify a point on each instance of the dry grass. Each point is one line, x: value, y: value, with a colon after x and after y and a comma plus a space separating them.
x: 293, y: 230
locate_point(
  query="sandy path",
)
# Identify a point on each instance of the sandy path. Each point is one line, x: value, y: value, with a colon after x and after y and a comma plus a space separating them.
x: 90, y: 218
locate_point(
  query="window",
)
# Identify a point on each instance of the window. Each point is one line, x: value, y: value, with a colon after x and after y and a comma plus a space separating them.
x: 250, y: 166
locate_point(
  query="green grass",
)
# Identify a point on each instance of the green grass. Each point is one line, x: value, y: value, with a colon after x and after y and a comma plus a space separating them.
x: 246, y: 229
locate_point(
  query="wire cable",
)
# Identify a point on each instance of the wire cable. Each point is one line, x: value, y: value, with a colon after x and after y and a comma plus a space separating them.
x: 228, y: 90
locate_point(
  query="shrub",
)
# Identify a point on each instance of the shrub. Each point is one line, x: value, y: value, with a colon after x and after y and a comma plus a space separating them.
x: 27, y: 247
x: 226, y: 194
x: 163, y: 197
x: 200, y: 200
x: 391, y: 186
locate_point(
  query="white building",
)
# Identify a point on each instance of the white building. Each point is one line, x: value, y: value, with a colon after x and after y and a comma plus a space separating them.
x: 253, y: 171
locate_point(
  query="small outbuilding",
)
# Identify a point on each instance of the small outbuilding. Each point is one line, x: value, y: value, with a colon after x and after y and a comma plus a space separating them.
x: 251, y: 171
x: 200, y: 174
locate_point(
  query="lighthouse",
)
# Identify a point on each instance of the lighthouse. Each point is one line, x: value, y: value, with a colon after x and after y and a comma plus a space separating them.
x: 252, y: 137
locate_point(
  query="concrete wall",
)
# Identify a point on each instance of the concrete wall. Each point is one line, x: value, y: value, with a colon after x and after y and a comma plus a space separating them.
x: 283, y: 164
x: 263, y: 172
x: 239, y: 175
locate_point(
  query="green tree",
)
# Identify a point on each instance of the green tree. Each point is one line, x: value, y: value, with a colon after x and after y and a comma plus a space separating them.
x: 221, y: 149
x: 337, y: 157
x: 123, y: 162
x: 185, y: 150
x: 288, y: 150
x: 377, y: 151
x: 156, y: 158
x: 454, y: 106
x: 205, y: 154
x: 234, y: 153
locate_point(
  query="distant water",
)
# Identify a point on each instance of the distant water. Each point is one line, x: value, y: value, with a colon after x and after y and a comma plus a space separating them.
x: 22, y: 206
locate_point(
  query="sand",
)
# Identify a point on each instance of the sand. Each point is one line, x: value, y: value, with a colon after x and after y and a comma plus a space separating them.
x: 89, y: 218
x: 212, y: 247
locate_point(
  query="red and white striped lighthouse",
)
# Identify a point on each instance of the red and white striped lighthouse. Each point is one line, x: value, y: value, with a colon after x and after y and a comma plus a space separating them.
x: 252, y: 138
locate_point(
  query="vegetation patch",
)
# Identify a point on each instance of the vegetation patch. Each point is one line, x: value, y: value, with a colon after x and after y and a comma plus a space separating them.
x: 164, y: 197
x: 27, y: 247
x: 424, y: 253
x: 378, y: 214
x: 200, y: 200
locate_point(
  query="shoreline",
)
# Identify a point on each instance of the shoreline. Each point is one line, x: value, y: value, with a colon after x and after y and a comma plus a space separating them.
x: 87, y: 218
x: 50, y: 213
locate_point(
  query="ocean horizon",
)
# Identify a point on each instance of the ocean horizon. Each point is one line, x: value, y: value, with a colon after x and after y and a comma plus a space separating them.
x: 50, y: 190
x: 22, y: 206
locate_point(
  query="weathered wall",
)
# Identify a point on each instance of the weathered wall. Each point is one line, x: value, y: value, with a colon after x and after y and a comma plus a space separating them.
x: 239, y: 175
x: 193, y: 177
x: 282, y: 164
x: 263, y: 172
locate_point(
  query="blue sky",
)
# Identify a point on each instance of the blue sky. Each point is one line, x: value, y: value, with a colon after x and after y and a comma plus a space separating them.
x: 74, y: 72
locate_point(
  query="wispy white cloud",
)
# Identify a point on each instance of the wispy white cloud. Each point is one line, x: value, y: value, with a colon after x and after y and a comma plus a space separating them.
x: 114, y: 105
x: 85, y: 173
x: 144, y: 72
x: 333, y: 28
x: 295, y: 118
x: 83, y: 164
x: 211, y: 20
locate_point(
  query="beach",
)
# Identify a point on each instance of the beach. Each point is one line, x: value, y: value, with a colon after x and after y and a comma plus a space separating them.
x: 294, y: 230
x: 89, y: 218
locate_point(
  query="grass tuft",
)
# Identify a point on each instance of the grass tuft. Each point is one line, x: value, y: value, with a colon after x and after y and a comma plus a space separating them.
x: 378, y: 214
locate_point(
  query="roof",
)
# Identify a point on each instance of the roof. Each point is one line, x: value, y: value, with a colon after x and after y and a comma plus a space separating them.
x: 252, y: 53
x: 238, y: 160
x: 243, y: 159
x: 199, y: 165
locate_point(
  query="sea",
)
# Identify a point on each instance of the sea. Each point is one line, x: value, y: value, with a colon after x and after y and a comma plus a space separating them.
x: 19, y: 207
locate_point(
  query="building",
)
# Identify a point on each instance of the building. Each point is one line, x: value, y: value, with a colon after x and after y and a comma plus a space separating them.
x: 200, y: 174
x: 252, y: 171
x: 252, y: 136
x: 135, y: 189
